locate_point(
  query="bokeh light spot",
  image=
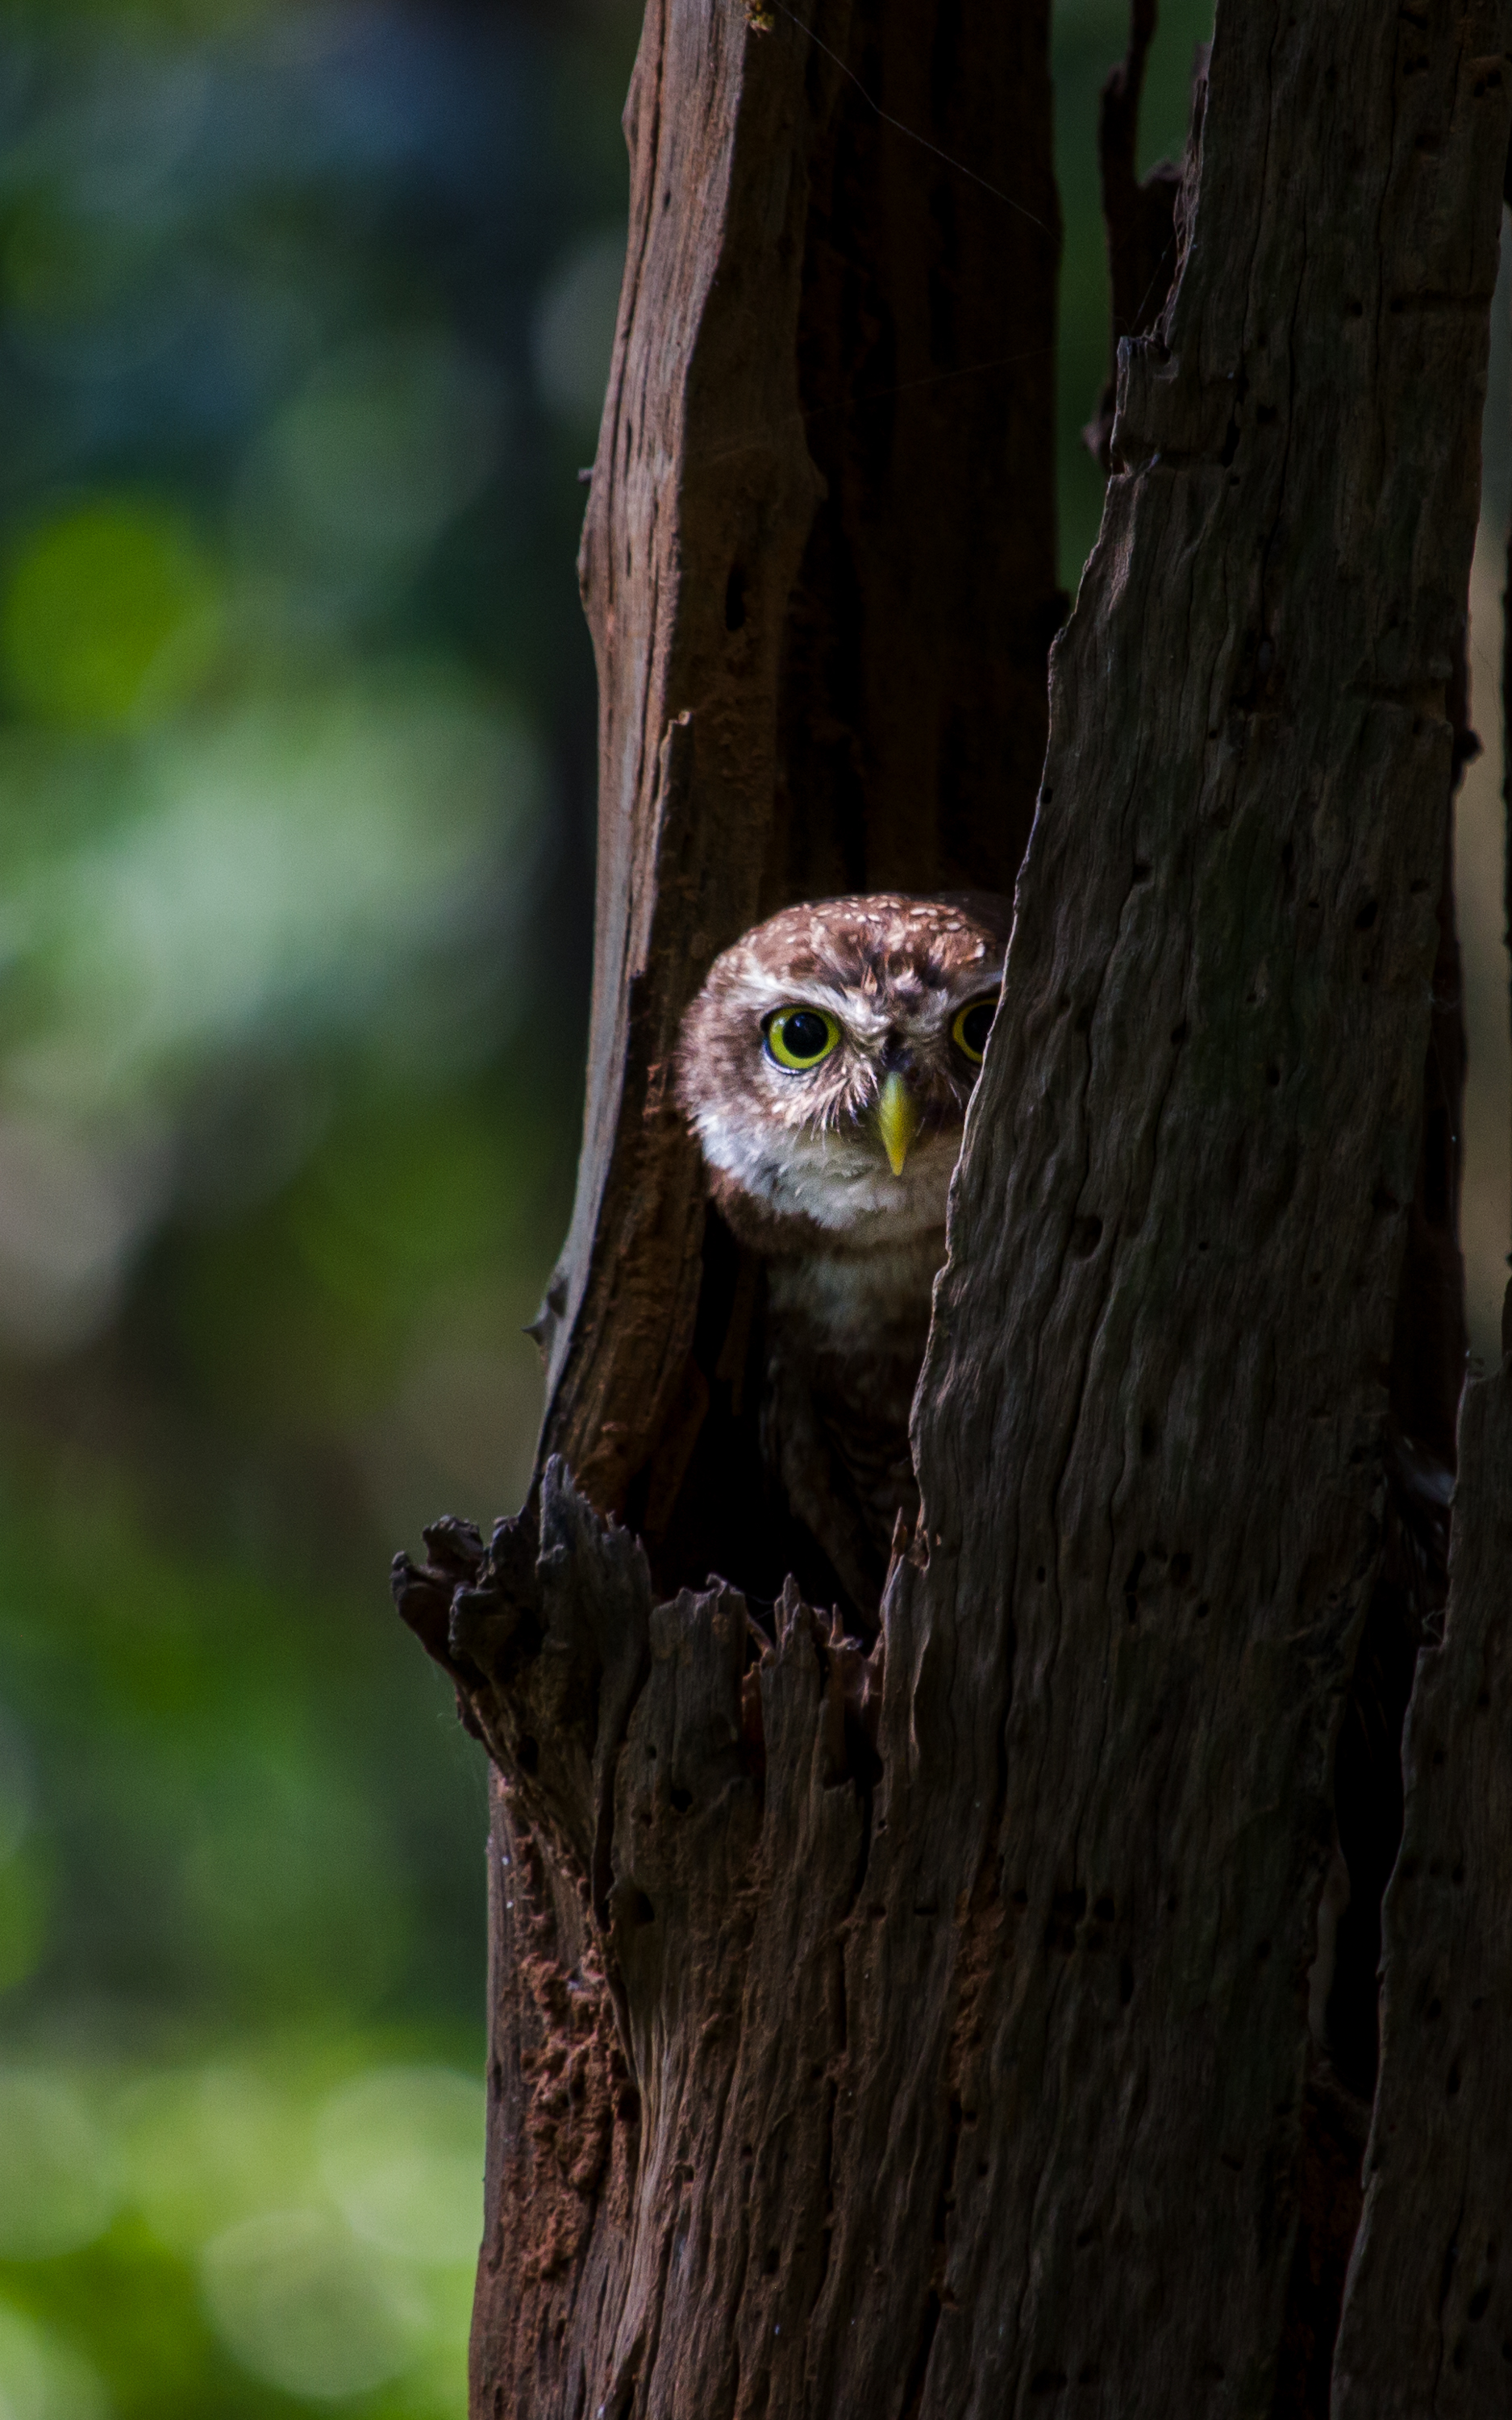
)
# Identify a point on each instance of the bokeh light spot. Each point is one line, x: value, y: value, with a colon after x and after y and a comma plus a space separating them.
x: 18, y: 1786
x: 294, y: 1886
x: 574, y: 333
x: 57, y: 2170
x: 43, y: 2379
x: 205, y: 2148
x: 390, y: 440
x: 22, y: 1920
x: 300, y: 867
x: 302, y: 2304
x: 401, y: 2152
x: 108, y: 610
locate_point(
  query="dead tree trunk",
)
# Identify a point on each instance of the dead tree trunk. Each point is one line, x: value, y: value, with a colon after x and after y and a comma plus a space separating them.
x: 928, y: 2033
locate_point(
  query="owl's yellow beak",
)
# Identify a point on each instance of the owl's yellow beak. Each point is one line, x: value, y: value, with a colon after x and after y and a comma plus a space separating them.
x: 898, y: 1119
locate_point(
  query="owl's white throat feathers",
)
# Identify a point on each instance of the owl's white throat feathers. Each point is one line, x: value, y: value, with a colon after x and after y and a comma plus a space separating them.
x: 837, y: 1178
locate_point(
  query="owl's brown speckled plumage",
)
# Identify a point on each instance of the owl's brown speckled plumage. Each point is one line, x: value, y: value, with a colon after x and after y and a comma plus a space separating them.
x: 836, y: 1174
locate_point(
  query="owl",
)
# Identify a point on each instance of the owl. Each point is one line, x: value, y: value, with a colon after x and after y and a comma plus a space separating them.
x: 825, y: 1069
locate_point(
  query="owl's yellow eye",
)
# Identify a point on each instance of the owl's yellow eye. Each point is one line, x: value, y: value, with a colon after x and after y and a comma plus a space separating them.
x: 972, y: 1026
x: 800, y: 1037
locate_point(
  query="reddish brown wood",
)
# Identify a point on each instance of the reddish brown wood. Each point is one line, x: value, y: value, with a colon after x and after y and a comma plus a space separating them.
x: 677, y: 1843
x: 819, y: 567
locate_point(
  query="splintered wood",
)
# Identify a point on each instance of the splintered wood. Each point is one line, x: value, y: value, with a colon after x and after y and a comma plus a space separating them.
x: 1427, y: 2333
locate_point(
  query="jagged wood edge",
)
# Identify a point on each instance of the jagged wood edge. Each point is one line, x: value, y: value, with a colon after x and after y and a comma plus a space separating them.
x: 1426, y: 2329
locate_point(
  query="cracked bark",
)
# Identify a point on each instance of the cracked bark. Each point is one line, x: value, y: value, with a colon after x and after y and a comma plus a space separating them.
x: 926, y: 2033
x: 1427, y: 2328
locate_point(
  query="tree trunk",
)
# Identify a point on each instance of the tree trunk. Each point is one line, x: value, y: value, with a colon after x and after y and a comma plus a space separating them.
x: 927, y: 2032
x: 819, y: 567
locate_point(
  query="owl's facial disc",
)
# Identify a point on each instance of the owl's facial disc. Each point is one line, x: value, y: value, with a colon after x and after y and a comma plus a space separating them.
x: 827, y: 1063
x: 799, y: 1038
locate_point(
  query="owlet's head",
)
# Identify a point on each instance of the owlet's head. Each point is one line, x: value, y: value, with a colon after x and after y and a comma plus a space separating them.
x: 827, y: 1063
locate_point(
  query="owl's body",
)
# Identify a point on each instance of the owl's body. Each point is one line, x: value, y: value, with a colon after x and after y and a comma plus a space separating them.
x: 826, y: 1067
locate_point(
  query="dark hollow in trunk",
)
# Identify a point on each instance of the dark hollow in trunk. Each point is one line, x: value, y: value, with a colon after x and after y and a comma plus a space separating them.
x: 820, y: 569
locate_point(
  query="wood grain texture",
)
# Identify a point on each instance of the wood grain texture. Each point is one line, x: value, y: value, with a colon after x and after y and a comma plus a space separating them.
x: 669, y: 2041
x: 1426, y: 2329
x: 819, y: 567
x: 1178, y: 1228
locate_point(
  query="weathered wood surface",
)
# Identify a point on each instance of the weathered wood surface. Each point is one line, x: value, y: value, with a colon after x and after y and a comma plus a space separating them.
x: 679, y: 1834
x: 819, y: 567
x: 926, y: 2037
x: 1176, y: 1239
x: 1427, y: 2330
x: 1193, y: 1148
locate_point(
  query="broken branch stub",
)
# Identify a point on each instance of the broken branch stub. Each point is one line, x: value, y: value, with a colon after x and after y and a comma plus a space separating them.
x: 680, y: 1825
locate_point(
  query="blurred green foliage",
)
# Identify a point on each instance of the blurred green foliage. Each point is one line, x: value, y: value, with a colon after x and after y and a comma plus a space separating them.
x: 304, y: 314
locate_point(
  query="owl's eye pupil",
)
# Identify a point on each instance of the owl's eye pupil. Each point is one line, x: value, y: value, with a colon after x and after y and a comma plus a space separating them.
x: 798, y: 1038
x: 805, y: 1033
x: 973, y: 1025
